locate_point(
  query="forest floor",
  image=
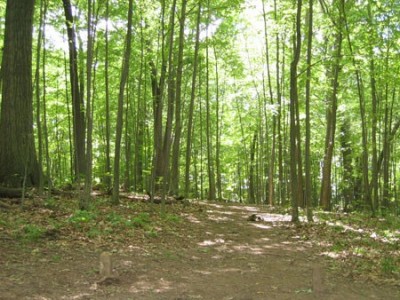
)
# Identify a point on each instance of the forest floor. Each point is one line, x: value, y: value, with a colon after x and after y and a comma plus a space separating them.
x: 197, y: 250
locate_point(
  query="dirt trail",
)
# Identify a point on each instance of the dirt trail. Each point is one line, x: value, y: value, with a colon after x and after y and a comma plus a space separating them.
x: 220, y: 255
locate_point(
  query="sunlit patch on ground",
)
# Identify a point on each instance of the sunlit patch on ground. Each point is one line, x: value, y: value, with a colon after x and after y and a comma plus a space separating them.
x: 211, y: 243
x: 217, y: 218
x: 191, y: 218
x: 249, y: 249
x: 261, y: 226
x: 157, y: 286
x: 246, y: 208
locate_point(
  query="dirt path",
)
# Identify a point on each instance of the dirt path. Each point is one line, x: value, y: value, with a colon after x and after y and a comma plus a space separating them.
x: 218, y: 255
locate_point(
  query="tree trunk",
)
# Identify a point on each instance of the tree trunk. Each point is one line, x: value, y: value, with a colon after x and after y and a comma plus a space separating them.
x: 107, y: 175
x: 85, y: 199
x: 124, y: 78
x: 252, y: 188
x: 364, y: 130
x: 217, y: 130
x: 171, y: 106
x: 374, y: 185
x: 18, y: 162
x: 43, y: 10
x: 178, y: 106
x: 210, y: 161
x: 77, y: 99
x: 307, y: 161
x: 346, y: 150
x: 294, y: 180
x: 191, y: 105
x: 333, y: 75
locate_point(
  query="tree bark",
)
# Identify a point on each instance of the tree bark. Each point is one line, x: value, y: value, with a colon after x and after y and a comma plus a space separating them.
x: 191, y: 105
x: 178, y: 105
x: 78, y: 114
x: 120, y: 120
x: 307, y: 160
x: 18, y: 162
x: 331, y: 109
x: 294, y: 180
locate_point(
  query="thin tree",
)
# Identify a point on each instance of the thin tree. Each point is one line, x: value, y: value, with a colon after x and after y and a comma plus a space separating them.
x: 123, y: 80
x: 85, y: 198
x: 210, y: 161
x: 217, y: 129
x: 307, y: 159
x: 364, y: 128
x: 107, y: 176
x: 191, y: 104
x: 294, y: 180
x: 271, y: 168
x: 331, y: 112
x: 178, y: 106
x: 40, y: 38
x: 77, y: 99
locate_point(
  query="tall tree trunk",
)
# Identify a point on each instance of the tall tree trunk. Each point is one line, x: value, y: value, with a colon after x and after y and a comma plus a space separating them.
x: 252, y: 184
x: 178, y: 99
x: 364, y: 130
x: 77, y: 99
x: 210, y: 161
x: 271, y: 167
x: 124, y: 78
x: 331, y: 109
x: 307, y: 161
x: 140, y: 121
x: 18, y: 162
x: 217, y: 130
x: 281, y: 195
x: 374, y: 185
x: 346, y: 149
x: 85, y: 199
x: 107, y: 175
x: 42, y: 17
x: 294, y: 180
x: 44, y: 105
x: 171, y: 106
x: 158, y: 85
x: 128, y: 140
x: 191, y: 105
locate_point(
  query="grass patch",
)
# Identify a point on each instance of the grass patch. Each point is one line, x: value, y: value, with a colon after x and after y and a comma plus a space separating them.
x: 31, y: 233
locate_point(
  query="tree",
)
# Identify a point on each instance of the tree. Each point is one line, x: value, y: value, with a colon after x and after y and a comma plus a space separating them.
x: 77, y: 96
x: 307, y: 160
x: 294, y: 121
x: 331, y: 110
x: 178, y: 96
x: 191, y: 104
x: 120, y: 120
x: 18, y: 162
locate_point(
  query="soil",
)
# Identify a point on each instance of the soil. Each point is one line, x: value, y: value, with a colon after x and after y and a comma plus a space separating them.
x: 214, y: 253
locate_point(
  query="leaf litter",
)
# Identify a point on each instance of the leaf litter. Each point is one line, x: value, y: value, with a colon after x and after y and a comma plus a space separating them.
x: 204, y: 250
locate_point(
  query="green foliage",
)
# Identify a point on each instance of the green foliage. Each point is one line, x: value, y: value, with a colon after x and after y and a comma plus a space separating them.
x: 142, y: 220
x: 234, y: 36
x: 389, y: 265
x: 115, y: 219
x: 151, y: 233
x: 31, y: 233
x: 51, y: 203
x: 82, y: 217
x: 173, y: 218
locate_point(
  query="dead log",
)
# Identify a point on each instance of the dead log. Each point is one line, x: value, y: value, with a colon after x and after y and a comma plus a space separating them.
x: 6, y: 192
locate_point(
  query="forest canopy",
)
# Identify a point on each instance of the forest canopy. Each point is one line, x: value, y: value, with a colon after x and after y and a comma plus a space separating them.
x: 256, y: 101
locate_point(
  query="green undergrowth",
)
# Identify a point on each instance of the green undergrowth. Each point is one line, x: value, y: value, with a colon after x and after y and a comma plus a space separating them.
x: 359, y: 244
x: 59, y: 219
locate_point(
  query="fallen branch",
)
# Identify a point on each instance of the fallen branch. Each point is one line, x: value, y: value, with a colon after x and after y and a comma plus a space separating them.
x: 6, y: 192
